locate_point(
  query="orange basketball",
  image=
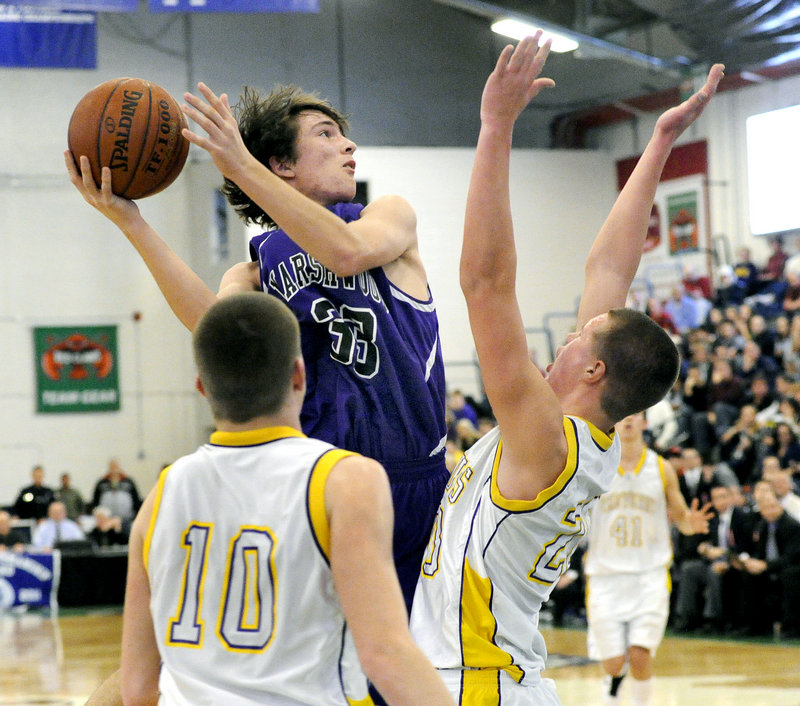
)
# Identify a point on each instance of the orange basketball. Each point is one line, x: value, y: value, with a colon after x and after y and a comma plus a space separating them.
x: 134, y: 127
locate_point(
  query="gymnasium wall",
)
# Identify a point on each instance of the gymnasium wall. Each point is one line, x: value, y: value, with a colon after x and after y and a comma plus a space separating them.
x: 723, y: 126
x: 414, y: 101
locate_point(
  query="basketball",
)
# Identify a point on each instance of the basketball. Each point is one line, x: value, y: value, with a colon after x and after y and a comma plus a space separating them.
x: 134, y: 127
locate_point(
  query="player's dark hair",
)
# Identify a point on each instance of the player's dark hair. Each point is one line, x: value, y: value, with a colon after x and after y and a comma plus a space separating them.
x: 245, y: 347
x: 268, y: 126
x: 641, y: 360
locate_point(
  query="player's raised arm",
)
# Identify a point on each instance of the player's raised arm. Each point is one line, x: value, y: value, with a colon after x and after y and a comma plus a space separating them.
x: 295, y: 192
x: 615, y: 254
x: 525, y: 406
x: 187, y: 295
x: 359, y: 507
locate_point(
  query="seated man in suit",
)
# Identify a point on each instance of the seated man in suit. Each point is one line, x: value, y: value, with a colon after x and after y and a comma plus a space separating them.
x: 56, y: 528
x: 706, y: 580
x: 771, y: 572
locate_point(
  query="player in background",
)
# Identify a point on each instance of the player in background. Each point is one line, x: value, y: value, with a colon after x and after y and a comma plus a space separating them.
x: 352, y: 276
x: 515, y: 506
x: 628, y: 559
x: 282, y: 544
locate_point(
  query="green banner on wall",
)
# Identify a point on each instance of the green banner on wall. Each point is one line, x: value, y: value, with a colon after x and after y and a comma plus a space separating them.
x: 76, y: 369
x: 684, y: 229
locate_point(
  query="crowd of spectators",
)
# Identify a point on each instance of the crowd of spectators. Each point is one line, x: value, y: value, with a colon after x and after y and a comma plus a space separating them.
x: 42, y: 518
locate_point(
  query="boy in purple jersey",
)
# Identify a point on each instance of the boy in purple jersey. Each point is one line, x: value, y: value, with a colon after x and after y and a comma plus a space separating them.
x: 353, y: 278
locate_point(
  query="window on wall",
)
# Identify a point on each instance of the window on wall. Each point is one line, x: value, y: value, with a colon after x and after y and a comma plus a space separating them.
x: 773, y: 170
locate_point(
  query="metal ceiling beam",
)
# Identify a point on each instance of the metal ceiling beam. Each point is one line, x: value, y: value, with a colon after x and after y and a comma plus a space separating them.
x: 674, y: 67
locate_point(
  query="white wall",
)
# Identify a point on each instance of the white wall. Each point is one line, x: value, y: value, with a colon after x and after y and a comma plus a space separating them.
x: 723, y: 126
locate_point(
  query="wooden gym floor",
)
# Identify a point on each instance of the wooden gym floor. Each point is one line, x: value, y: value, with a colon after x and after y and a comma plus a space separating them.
x: 59, y: 661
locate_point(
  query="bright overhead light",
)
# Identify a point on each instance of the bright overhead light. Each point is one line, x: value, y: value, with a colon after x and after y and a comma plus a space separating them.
x: 519, y: 30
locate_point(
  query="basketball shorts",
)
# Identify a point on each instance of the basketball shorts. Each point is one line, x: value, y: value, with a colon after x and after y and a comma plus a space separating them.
x: 625, y: 610
x: 417, y: 490
x: 492, y: 687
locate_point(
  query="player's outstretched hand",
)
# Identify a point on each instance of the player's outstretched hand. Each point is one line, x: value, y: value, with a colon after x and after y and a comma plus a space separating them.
x: 672, y: 123
x: 224, y: 142
x: 515, y: 81
x: 118, y: 210
x: 699, y: 516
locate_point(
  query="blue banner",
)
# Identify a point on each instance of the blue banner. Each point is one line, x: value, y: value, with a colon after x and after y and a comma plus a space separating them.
x: 47, y: 39
x: 29, y: 580
x: 85, y: 5
x: 234, y: 5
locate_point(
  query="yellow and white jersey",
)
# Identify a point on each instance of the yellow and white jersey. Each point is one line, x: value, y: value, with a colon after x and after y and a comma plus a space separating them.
x: 243, y: 602
x: 491, y: 561
x: 629, y: 526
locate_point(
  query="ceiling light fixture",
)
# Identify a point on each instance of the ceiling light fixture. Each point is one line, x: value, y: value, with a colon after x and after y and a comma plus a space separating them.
x: 518, y: 30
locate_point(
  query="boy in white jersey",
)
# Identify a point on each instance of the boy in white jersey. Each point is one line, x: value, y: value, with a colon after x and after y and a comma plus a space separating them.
x: 261, y: 565
x: 514, y: 507
x: 627, y: 563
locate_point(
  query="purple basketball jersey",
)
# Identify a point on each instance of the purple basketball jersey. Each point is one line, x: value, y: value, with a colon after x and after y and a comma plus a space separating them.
x: 373, y: 358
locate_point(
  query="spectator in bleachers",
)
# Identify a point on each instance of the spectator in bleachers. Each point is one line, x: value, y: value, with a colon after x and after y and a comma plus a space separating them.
x: 662, y: 429
x: 770, y: 465
x: 56, y: 528
x: 696, y: 283
x: 739, y: 444
x: 107, y: 531
x: 786, y: 492
x: 33, y: 500
x: 466, y: 434
x: 729, y: 290
x: 725, y: 397
x: 709, y: 327
x: 782, y: 443
x: 461, y: 408
x: 694, y: 393
x: 785, y: 386
x: 689, y: 467
x: 791, y: 297
x: 746, y: 272
x: 683, y: 310
x: 11, y: 538
x: 752, y: 363
x: 71, y: 497
x: 773, y: 269
x: 759, y: 394
x: 118, y: 493
x: 787, y: 346
x: 788, y: 411
x: 761, y: 333
x: 771, y: 572
x: 655, y: 310
x: 699, y: 356
x: 728, y: 335
x: 707, y: 588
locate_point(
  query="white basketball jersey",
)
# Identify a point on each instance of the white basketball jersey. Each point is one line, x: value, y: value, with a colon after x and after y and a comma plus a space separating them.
x: 243, y: 602
x: 491, y: 561
x: 629, y: 527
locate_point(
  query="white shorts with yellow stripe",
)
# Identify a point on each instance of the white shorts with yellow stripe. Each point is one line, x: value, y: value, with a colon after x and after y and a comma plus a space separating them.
x: 494, y: 687
x: 625, y: 610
